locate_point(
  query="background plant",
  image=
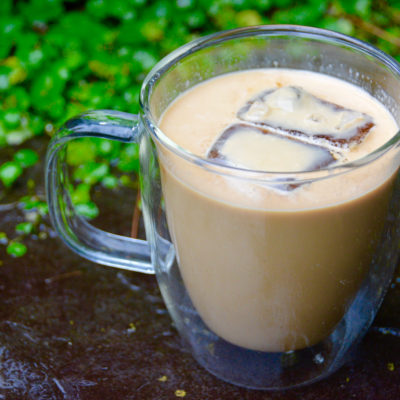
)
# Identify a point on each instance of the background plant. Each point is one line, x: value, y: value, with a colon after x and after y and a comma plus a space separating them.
x: 59, y: 58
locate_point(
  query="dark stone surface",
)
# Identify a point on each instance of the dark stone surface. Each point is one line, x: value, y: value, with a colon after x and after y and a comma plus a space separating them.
x: 72, y: 330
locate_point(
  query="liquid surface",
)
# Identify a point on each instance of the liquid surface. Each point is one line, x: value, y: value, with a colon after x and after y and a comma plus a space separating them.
x: 205, y: 112
x: 269, y: 268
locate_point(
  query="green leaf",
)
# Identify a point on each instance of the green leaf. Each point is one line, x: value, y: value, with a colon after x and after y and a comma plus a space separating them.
x: 357, y: 7
x: 363, y: 8
x: 129, y: 33
x: 47, y: 92
x: 104, y: 67
x: 196, y: 18
x: 138, y: 3
x: 153, y: 30
x: 110, y: 182
x: 42, y: 10
x: 24, y: 228
x: 88, y: 210
x: 16, y: 249
x: 91, y: 172
x: 129, y: 159
x: 43, y: 208
x: 108, y: 149
x: 341, y: 25
x: 3, y: 139
x: 35, y: 57
x: 18, y: 136
x: 5, y: 7
x: 10, y: 28
x: 37, y: 124
x: 4, y: 78
x: 12, y: 118
x: 73, y: 58
x: 98, y: 8
x: 26, y: 44
x: 80, y: 152
x: 29, y: 202
x: 131, y: 96
x: 126, y: 181
x: 283, y: 3
x: 17, y: 70
x: 145, y: 58
x: 185, y: 4
x: 9, y: 173
x: 18, y: 99
x: 301, y: 15
x: 263, y: 5
x: 47, y: 87
x: 225, y: 18
x: 394, y: 3
x: 93, y: 95
x: 73, y: 29
x: 248, y: 18
x: 163, y: 9
x: 26, y: 157
x: 56, y: 108
x: 118, y: 8
x: 81, y: 194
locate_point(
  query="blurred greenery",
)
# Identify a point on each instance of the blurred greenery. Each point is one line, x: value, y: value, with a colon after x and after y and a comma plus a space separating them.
x: 59, y: 58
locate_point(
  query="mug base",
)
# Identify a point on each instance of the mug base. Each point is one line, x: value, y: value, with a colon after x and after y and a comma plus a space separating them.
x: 263, y: 370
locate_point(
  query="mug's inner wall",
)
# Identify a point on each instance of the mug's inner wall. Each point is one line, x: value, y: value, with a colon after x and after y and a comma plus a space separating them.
x: 290, y: 50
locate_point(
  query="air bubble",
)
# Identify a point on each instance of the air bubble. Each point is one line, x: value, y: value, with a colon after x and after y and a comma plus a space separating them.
x: 319, y: 358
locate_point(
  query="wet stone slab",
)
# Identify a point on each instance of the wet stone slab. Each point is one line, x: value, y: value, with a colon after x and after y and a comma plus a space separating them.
x: 70, y: 329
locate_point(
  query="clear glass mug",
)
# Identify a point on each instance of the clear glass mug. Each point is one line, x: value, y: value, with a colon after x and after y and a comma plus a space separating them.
x: 248, y: 322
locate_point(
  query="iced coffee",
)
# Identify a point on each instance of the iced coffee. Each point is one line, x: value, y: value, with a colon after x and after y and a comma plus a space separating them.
x: 272, y: 264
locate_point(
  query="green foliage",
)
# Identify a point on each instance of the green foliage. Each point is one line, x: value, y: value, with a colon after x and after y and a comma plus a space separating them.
x: 9, y: 172
x: 129, y: 158
x: 26, y: 157
x: 59, y: 58
x: 361, y: 8
x: 16, y: 249
x: 63, y: 57
x: 33, y: 203
x: 81, y: 194
x: 88, y: 210
x: 24, y: 228
x: 81, y: 151
x: 91, y: 172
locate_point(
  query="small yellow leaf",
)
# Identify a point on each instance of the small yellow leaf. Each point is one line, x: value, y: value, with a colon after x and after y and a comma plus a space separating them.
x: 180, y: 393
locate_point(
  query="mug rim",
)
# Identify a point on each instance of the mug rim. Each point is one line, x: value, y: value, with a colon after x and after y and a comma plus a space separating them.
x: 261, y: 30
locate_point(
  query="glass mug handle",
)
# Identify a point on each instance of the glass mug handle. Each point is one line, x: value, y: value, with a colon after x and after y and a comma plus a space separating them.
x: 85, y: 239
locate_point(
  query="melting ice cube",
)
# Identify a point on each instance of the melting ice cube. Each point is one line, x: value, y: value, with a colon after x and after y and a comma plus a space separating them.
x: 296, y: 113
x: 258, y: 148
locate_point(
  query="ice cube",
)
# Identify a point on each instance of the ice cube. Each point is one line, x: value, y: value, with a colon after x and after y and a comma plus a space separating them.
x: 259, y: 148
x: 293, y: 112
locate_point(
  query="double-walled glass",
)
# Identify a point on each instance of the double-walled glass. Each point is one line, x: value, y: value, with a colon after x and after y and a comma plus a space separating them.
x: 264, y: 297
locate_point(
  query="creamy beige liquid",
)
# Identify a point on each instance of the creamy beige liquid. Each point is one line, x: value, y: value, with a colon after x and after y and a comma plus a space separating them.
x: 271, y: 269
